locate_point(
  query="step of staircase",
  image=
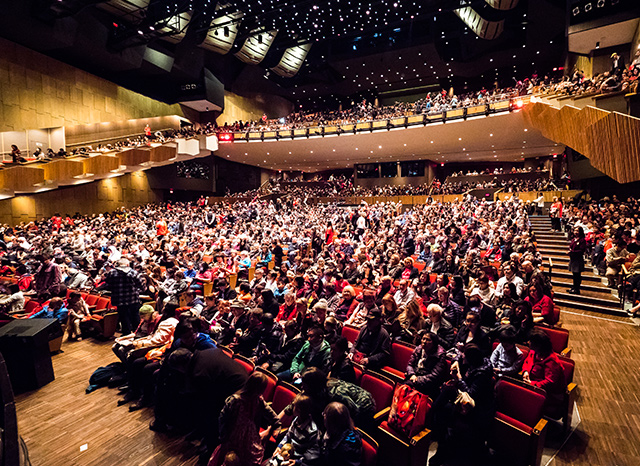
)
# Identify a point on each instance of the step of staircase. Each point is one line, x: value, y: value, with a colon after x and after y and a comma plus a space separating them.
x: 586, y: 276
x: 614, y: 311
x: 595, y: 295
x: 548, y: 251
x: 562, y: 283
x: 552, y: 243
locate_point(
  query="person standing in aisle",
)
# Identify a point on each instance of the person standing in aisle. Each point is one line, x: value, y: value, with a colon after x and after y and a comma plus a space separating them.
x: 555, y: 212
x: 577, y: 248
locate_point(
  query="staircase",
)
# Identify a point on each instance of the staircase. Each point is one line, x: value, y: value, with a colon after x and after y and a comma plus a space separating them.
x: 595, y: 295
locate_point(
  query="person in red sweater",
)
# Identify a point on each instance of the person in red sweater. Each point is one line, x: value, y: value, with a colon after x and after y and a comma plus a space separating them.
x: 542, y: 368
x: 541, y: 304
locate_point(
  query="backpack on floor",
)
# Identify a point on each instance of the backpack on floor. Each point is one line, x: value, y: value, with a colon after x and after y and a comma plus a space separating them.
x: 409, y: 410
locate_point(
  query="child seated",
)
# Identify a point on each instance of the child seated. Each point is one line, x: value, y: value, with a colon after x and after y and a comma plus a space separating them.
x: 301, y: 440
x: 507, y: 358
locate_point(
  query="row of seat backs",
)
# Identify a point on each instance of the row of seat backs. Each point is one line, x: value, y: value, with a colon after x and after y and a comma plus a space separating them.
x: 100, y: 302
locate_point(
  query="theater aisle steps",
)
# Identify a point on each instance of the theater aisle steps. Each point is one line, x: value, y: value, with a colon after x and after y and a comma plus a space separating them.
x: 595, y: 295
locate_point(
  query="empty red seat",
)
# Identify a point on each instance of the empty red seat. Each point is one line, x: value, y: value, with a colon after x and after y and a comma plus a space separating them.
x: 103, y: 303
x: 518, y: 431
x: 381, y: 389
x: 400, y: 355
x: 350, y: 333
x: 91, y: 299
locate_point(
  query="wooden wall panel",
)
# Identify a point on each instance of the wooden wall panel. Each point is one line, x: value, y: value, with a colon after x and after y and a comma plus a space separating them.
x: 101, y: 164
x: 106, y: 195
x: 21, y: 177
x: 39, y: 92
x: 610, y: 140
x: 59, y: 170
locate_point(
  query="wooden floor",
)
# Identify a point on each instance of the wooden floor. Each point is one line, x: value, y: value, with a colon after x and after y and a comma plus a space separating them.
x: 62, y: 426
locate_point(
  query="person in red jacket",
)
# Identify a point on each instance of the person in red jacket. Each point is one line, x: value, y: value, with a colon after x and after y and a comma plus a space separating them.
x: 541, y: 304
x: 542, y: 368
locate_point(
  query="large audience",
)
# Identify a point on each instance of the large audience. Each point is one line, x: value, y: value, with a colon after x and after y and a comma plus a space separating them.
x: 449, y: 278
x: 451, y: 186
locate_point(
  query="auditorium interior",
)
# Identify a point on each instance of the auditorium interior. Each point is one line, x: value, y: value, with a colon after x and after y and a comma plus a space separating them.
x: 320, y: 232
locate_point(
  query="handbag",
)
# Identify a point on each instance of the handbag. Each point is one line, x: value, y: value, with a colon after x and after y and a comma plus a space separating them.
x: 409, y: 410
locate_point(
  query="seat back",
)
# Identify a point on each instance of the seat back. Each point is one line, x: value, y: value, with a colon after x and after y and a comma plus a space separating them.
x: 369, y: 449
x: 91, y: 299
x: 228, y: 351
x: 283, y: 395
x: 103, y: 303
x: 358, y: 369
x: 31, y: 307
x: 350, y: 333
x: 400, y: 355
x: 272, y: 381
x: 380, y: 387
x: 559, y: 337
x: 568, y: 367
x: 246, y: 363
x: 519, y: 403
x: 84, y: 295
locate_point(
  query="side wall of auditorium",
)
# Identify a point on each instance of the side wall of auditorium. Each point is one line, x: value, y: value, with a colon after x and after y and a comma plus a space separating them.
x: 129, y: 190
x: 39, y: 92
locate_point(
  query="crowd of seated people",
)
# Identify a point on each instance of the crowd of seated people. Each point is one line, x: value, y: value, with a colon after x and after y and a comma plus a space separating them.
x: 449, y: 278
x: 610, y: 228
x: 432, y: 103
x: 618, y: 78
x: 451, y: 186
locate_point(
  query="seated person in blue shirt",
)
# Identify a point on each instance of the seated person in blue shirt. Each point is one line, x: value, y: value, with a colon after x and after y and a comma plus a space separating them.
x: 507, y: 358
x: 191, y: 272
x: 54, y: 310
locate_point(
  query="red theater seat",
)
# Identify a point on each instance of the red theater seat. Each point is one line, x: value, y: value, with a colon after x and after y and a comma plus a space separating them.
x: 518, y: 431
x: 381, y: 388
x: 283, y: 395
x: 400, y: 355
x: 246, y: 363
x: 559, y: 339
x: 369, y: 449
x: 350, y: 333
x: 272, y: 381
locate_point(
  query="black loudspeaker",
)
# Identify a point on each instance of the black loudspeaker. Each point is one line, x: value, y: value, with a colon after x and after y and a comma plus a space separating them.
x: 24, y: 344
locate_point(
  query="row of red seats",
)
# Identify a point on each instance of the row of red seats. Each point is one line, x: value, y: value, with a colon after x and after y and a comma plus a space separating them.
x: 519, y: 426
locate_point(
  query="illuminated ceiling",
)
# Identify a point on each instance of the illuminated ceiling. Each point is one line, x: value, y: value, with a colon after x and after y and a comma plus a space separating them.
x: 500, y: 137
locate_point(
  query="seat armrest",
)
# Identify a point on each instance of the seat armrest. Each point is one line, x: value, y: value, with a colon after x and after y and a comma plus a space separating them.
x: 381, y: 415
x: 540, y: 427
x: 421, y: 436
x: 566, y: 352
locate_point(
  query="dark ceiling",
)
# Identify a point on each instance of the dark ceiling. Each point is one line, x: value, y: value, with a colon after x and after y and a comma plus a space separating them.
x: 385, y: 48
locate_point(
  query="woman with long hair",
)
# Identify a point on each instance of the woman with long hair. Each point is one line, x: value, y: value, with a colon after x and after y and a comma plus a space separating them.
x: 341, y: 444
x: 240, y: 420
